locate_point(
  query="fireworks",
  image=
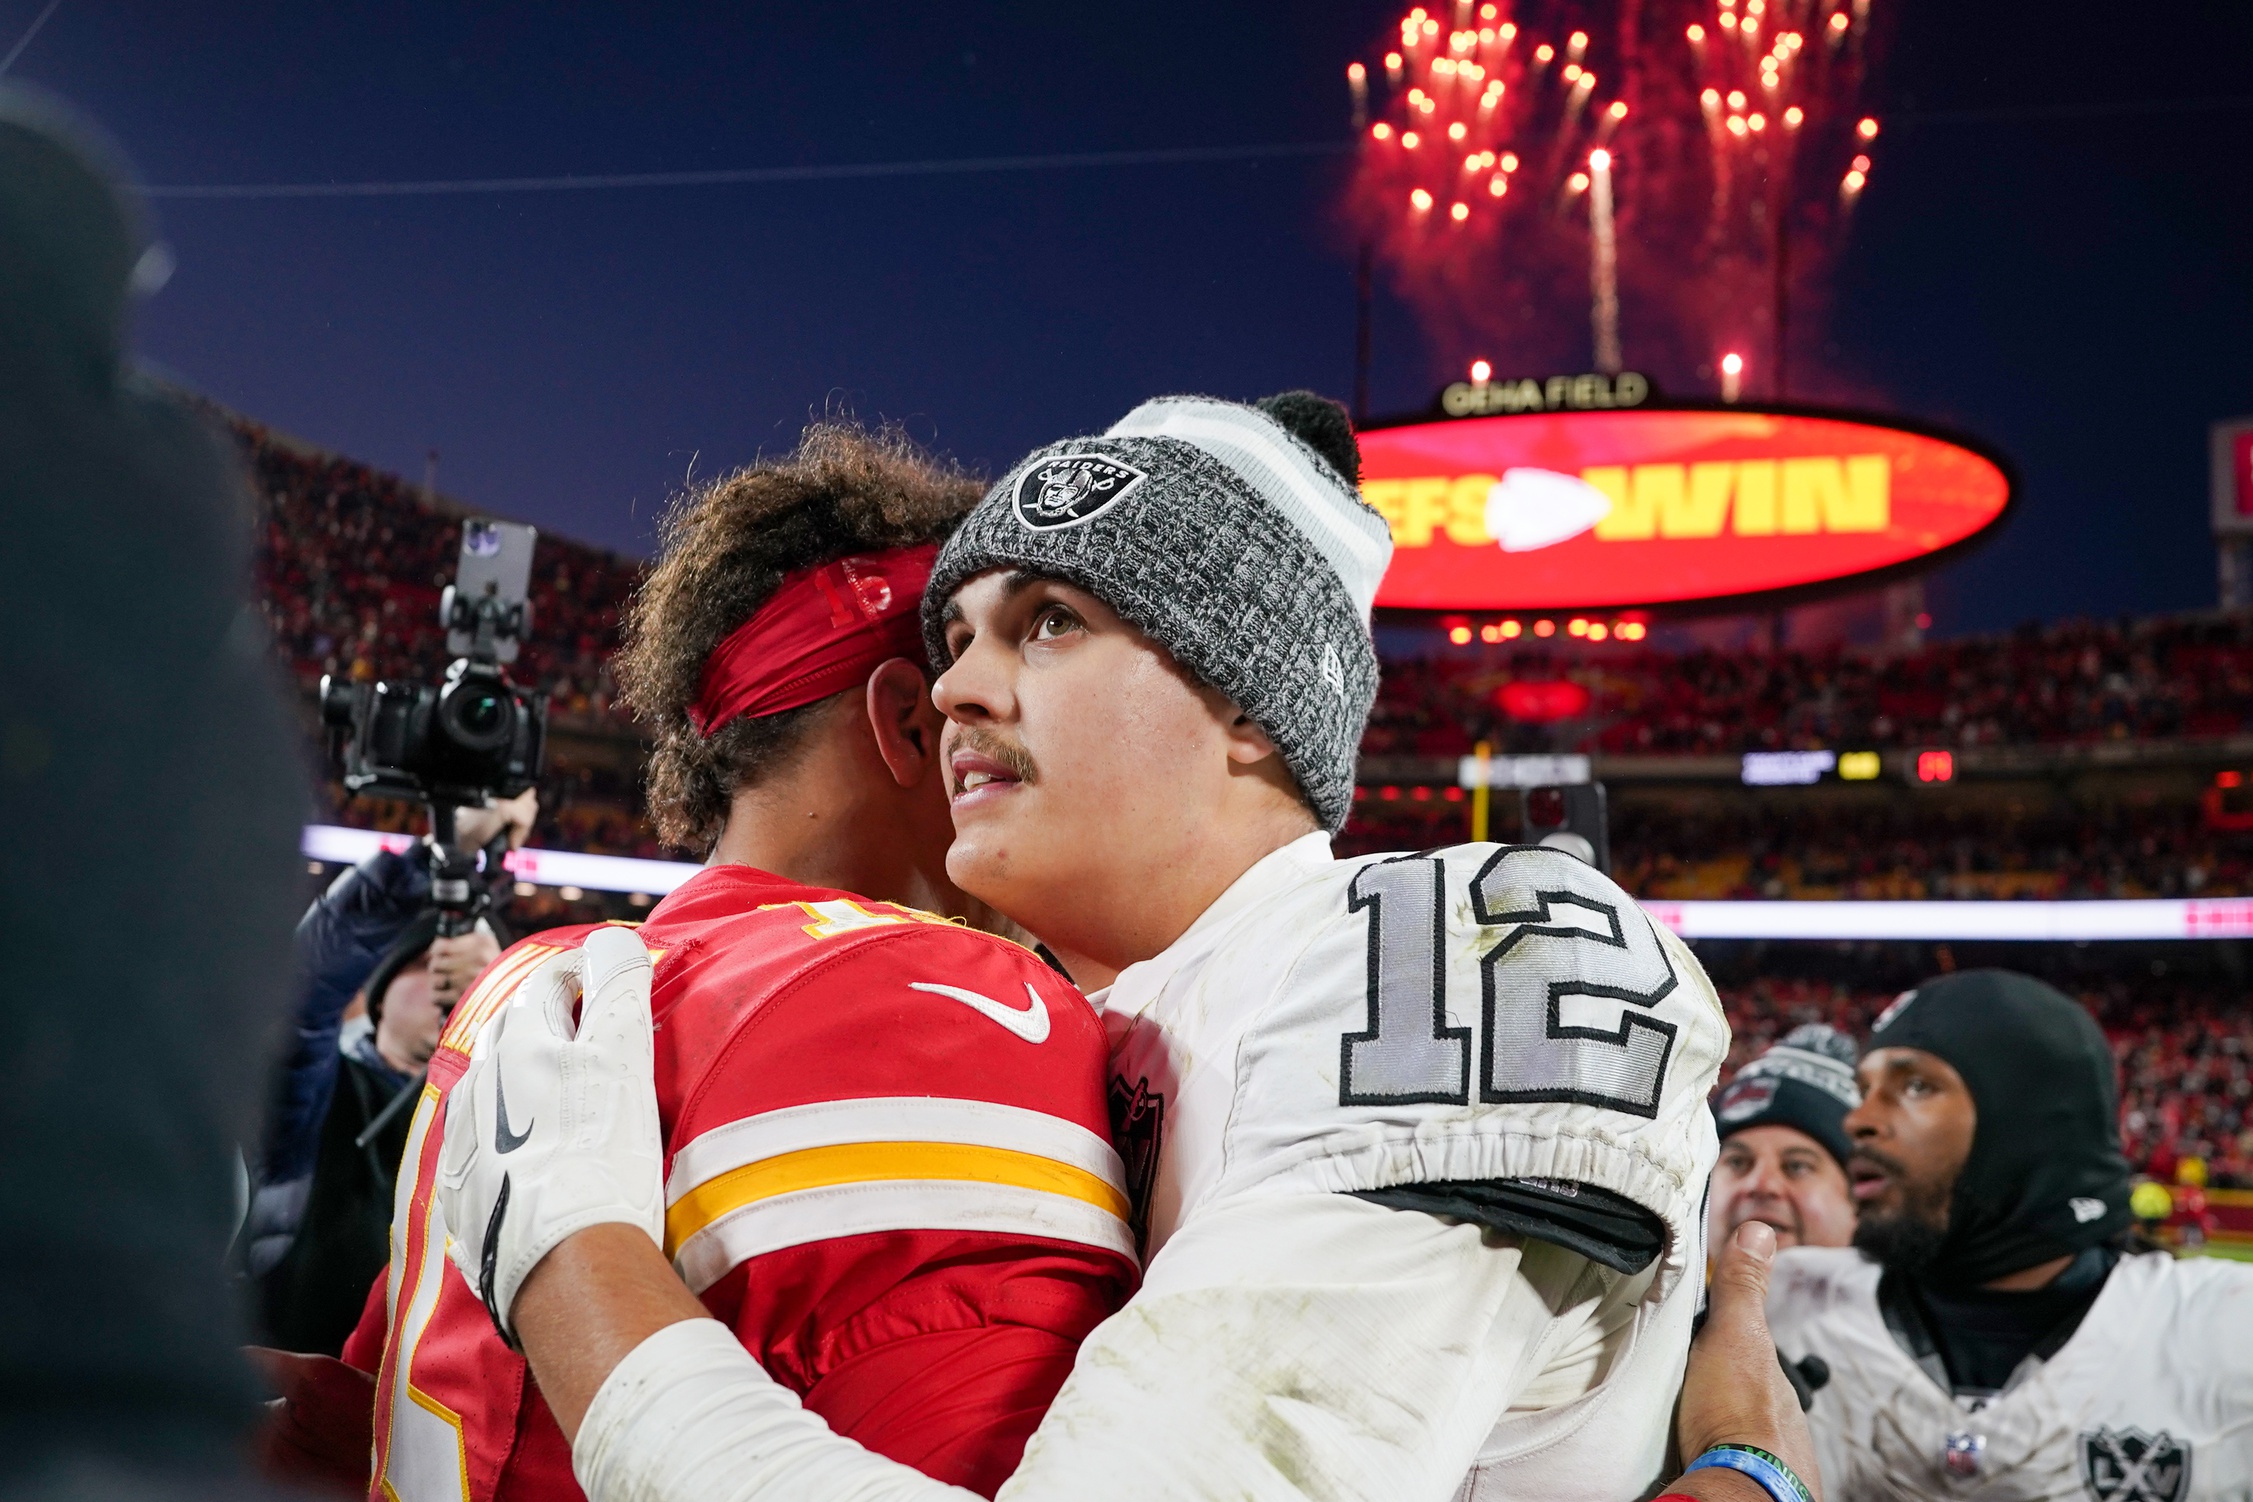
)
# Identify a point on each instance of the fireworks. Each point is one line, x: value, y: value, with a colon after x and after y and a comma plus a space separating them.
x: 1686, y: 168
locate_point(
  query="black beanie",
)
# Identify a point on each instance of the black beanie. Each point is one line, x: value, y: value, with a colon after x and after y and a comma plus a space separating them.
x: 1805, y: 1081
x: 2045, y: 1177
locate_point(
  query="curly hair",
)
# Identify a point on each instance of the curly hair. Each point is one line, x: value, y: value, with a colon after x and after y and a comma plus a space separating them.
x: 723, y: 550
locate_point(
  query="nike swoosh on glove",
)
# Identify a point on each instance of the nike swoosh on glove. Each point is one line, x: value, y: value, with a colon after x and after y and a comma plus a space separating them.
x: 553, y: 1128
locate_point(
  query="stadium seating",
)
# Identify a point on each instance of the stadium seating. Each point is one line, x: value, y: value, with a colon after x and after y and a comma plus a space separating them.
x: 351, y: 561
x: 2084, y: 681
x: 1727, y: 848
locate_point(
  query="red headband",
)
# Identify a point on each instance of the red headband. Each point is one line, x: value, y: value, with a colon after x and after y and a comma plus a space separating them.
x: 819, y: 635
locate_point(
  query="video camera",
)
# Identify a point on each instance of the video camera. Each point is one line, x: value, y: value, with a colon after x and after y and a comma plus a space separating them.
x: 465, y: 740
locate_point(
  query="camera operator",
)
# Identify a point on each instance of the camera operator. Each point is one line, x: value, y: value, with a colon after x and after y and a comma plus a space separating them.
x: 376, y: 985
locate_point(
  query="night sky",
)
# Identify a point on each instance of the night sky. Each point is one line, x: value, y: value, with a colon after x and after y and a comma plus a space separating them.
x: 2056, y: 252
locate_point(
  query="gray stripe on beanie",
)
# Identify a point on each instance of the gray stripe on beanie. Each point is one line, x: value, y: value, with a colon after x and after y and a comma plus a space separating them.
x: 1201, y: 556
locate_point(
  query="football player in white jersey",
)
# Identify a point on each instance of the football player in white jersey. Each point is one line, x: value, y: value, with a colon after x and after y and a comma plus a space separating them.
x: 1419, y: 1142
x: 1993, y: 1333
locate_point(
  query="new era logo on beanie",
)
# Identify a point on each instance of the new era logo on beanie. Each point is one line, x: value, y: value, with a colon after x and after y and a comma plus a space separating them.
x: 1235, y: 537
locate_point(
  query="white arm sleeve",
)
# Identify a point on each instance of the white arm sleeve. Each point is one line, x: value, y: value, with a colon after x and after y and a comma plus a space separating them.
x: 689, y: 1416
x: 1293, y: 1346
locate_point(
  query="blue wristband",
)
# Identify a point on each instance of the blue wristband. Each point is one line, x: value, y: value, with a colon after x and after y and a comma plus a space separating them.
x: 1776, y: 1478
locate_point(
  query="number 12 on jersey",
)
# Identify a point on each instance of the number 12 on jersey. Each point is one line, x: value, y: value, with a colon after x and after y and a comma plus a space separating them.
x: 1559, y: 931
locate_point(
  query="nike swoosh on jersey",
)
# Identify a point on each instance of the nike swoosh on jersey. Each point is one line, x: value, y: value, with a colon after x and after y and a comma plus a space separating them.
x: 1029, y: 1022
x: 504, y: 1140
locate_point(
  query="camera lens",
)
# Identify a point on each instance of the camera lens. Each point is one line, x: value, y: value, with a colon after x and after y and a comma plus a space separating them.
x: 477, y: 716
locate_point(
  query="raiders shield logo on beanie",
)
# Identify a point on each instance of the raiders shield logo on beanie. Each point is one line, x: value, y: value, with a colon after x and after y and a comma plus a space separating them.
x: 1072, y: 488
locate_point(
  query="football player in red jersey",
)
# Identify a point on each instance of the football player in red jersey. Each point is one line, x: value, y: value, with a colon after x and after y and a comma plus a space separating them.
x: 890, y: 1168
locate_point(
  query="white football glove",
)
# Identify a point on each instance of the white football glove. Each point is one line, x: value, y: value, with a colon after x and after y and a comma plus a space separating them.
x: 553, y: 1128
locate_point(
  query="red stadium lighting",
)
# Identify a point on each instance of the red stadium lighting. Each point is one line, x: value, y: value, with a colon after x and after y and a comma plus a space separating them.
x: 1576, y: 627
x: 1381, y: 131
x: 1543, y: 703
x: 2229, y: 779
x: 1632, y: 631
x: 1544, y: 628
x: 1936, y: 766
x: 1511, y: 630
x: 1460, y: 635
x: 1598, y: 631
x: 1867, y: 130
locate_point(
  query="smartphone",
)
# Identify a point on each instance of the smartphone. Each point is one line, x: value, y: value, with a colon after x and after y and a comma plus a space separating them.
x: 497, y: 563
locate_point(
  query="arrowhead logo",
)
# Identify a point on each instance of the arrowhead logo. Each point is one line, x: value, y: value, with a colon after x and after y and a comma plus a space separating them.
x: 1029, y: 1022
x: 1529, y: 509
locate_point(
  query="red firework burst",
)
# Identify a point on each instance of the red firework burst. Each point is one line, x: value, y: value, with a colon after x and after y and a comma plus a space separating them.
x: 1734, y: 143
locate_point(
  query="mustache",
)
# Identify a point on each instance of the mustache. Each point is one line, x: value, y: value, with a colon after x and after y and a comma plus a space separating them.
x: 988, y: 743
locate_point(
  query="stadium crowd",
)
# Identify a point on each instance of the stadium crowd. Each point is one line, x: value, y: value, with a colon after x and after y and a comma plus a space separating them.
x: 2163, y: 678
x: 350, y: 562
x: 1874, y: 850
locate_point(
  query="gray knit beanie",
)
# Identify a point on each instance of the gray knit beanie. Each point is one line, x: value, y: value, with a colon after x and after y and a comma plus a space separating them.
x: 1231, y: 541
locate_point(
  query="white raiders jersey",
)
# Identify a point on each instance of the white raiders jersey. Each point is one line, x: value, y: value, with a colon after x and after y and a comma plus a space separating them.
x: 2150, y: 1400
x: 1331, y: 1027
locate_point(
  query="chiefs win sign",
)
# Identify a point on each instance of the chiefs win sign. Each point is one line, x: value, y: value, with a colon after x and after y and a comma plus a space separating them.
x: 1595, y: 510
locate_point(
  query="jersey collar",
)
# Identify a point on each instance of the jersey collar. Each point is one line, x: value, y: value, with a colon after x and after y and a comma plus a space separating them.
x: 1277, y: 871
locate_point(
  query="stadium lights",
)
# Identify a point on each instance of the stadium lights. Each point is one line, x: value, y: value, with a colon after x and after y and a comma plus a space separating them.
x: 1858, y: 766
x: 1935, y: 766
x: 2077, y: 921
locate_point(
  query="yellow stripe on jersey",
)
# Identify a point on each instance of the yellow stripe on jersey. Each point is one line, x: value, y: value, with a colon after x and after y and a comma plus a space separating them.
x: 488, y: 995
x: 849, y: 1167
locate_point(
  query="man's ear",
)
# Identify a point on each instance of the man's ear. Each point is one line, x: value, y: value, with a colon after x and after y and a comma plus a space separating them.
x: 1248, y: 745
x: 906, y: 724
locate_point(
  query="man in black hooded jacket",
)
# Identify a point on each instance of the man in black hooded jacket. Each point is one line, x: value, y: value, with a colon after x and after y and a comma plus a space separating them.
x: 1992, y: 1332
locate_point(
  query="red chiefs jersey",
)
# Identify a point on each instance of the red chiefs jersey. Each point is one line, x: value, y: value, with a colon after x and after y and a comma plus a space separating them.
x: 887, y: 1168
